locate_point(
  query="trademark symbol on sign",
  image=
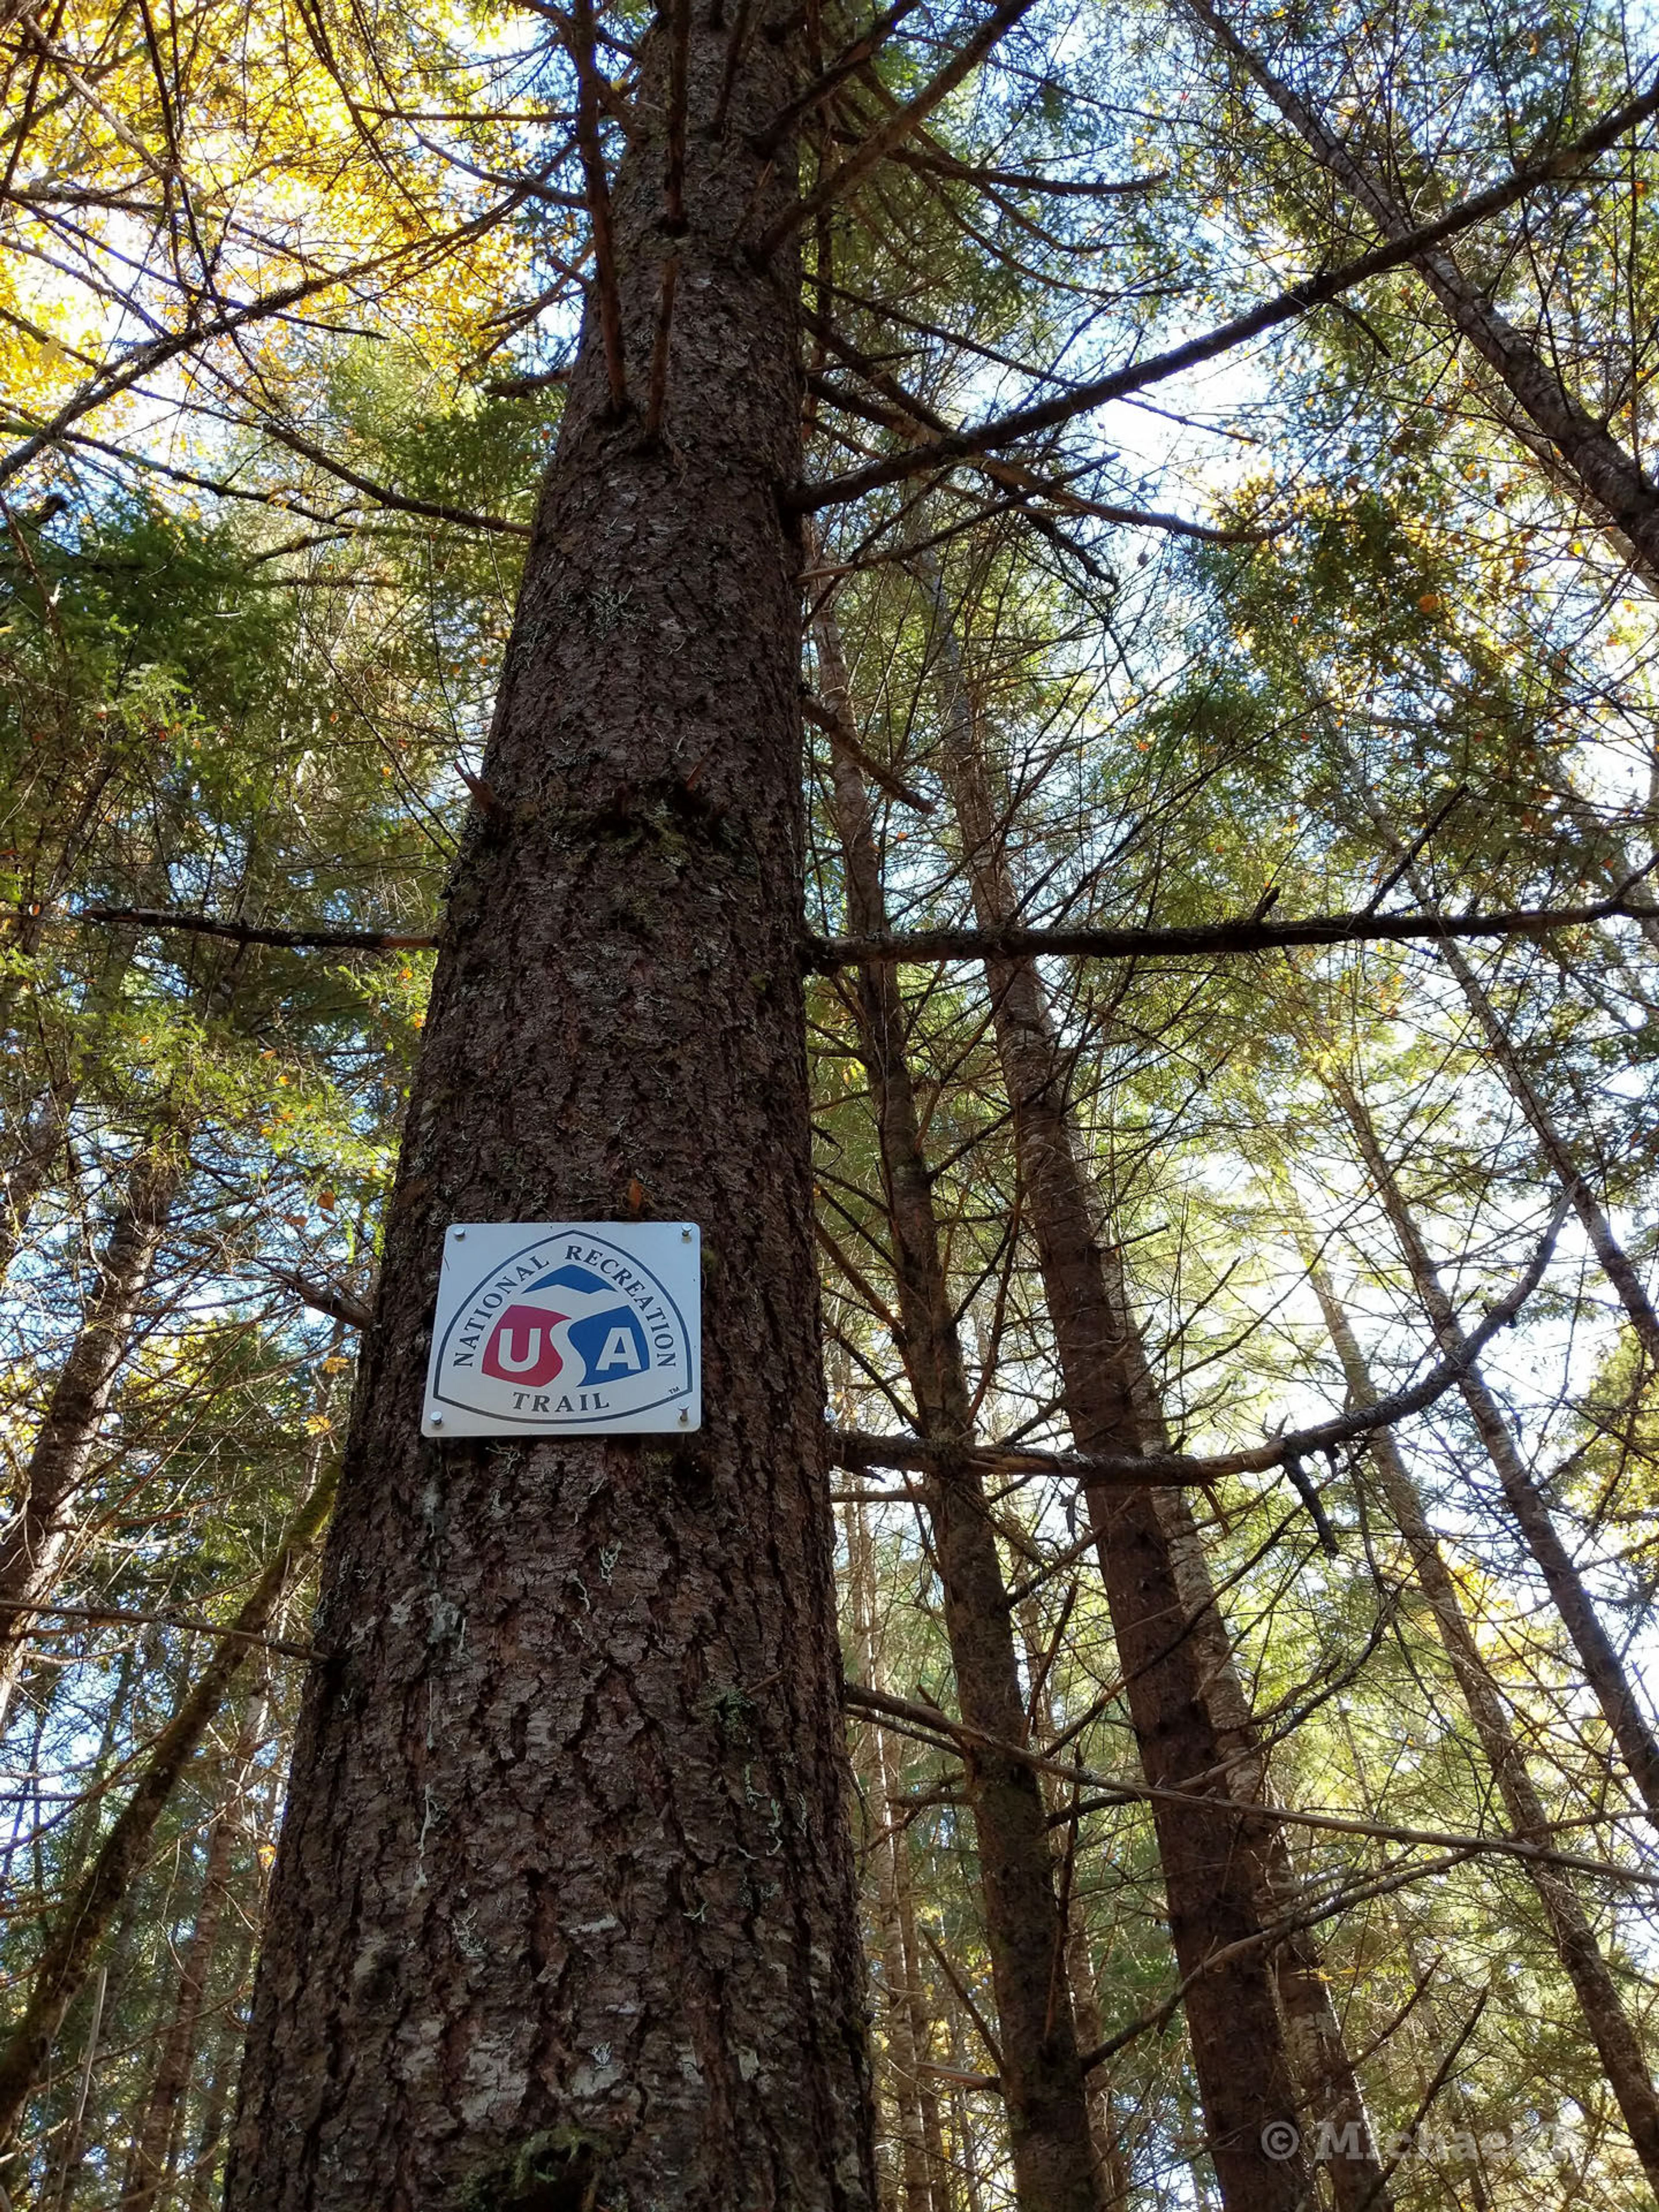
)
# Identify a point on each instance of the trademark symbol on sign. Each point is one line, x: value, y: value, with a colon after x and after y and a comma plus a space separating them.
x: 578, y: 1328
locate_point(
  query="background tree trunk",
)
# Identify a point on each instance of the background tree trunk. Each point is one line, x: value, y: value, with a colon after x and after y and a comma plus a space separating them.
x: 1043, y: 2084
x: 1237, y: 2034
x: 1603, y: 1669
x: 883, y: 1844
x: 1609, y: 2024
x: 35, y: 1543
x: 78, y: 1925
x: 1616, y: 1263
x: 156, y: 2144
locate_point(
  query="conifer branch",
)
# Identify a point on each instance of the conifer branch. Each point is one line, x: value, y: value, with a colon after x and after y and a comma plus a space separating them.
x: 941, y: 453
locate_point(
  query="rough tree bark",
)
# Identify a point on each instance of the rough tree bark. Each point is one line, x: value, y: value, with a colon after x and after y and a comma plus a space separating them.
x: 1603, y: 472
x: 1042, y: 2083
x: 1209, y: 1860
x: 1318, y: 2046
x: 1609, y: 2024
x: 1604, y: 1670
x: 36, y: 1541
x: 564, y: 1900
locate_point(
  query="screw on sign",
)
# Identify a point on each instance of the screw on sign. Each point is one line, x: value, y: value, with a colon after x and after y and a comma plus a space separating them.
x: 583, y: 1328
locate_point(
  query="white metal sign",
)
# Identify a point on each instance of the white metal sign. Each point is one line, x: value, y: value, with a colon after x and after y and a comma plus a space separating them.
x: 571, y: 1328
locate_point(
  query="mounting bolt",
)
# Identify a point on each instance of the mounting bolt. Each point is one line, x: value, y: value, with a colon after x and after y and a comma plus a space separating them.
x: 459, y: 1233
x: 685, y: 1236
x: 685, y: 1416
x: 436, y: 1420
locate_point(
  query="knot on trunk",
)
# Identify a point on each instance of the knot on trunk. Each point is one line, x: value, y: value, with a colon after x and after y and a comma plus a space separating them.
x: 558, y: 2171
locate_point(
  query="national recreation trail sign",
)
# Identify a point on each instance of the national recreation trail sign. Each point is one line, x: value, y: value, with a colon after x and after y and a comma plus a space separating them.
x: 567, y: 1329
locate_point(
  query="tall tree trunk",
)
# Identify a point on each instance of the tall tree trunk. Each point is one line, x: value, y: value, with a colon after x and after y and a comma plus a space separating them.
x: 68, y: 2156
x: 221, y: 2066
x: 1616, y: 1264
x: 156, y: 2144
x: 1603, y: 1669
x: 1318, y: 2049
x: 1111, y: 2173
x: 565, y: 1899
x: 1603, y: 472
x: 1209, y: 1859
x: 1042, y: 2082
x: 921, y: 2034
x: 963, y: 2126
x: 78, y: 1925
x: 1605, y: 2016
x: 34, y: 1544
x: 884, y: 1847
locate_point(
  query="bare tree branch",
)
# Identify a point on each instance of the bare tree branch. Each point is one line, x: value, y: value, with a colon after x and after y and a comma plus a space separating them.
x: 1244, y: 933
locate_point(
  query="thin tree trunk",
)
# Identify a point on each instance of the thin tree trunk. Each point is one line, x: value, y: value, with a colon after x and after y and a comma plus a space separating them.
x: 1608, y: 2023
x: 1603, y: 1669
x: 884, y: 1847
x: 1604, y: 473
x: 1615, y: 1261
x: 1208, y: 1859
x: 226, y: 2056
x: 29, y: 1171
x: 156, y: 2148
x: 921, y: 2034
x: 564, y: 1898
x: 68, y: 2158
x: 1042, y: 2082
x: 967, y: 2135
x: 78, y: 1925
x: 1111, y: 2176
x: 34, y: 1544
x: 1318, y: 2048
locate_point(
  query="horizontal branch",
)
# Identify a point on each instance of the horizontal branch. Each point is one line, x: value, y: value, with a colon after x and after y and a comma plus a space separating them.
x: 103, y: 1615
x: 1285, y: 307
x: 854, y: 1450
x: 825, y: 955
x: 1242, y: 933
x: 1162, y: 1470
x: 249, y: 933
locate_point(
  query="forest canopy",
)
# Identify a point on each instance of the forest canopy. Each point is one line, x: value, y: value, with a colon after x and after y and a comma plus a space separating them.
x: 1007, y: 654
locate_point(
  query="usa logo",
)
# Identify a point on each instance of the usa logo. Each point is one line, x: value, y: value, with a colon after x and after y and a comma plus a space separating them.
x: 586, y: 1326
